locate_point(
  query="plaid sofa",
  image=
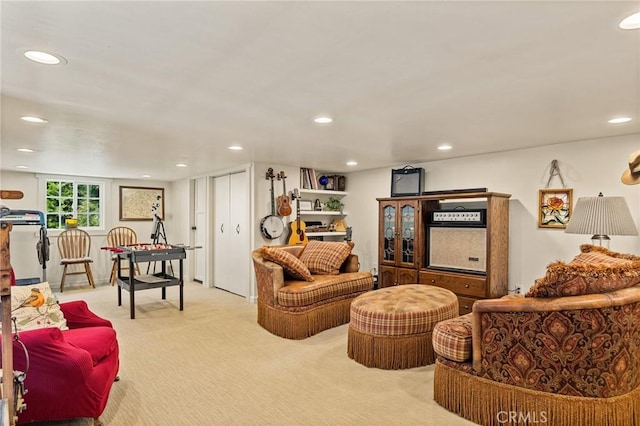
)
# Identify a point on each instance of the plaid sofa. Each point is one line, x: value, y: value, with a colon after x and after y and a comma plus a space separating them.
x: 295, y: 309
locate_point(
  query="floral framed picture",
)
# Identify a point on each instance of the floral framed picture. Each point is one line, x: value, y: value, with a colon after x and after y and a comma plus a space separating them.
x: 554, y: 207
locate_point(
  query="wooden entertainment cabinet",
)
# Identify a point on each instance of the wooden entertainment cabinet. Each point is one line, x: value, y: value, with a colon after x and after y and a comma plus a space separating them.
x: 404, y: 244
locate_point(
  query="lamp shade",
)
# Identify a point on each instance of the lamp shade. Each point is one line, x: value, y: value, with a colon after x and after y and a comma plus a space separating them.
x: 601, y: 216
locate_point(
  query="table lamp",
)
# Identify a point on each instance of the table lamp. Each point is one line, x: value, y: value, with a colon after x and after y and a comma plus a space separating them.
x: 601, y: 216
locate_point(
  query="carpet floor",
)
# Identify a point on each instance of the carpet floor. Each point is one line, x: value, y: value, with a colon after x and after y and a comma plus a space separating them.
x: 212, y: 364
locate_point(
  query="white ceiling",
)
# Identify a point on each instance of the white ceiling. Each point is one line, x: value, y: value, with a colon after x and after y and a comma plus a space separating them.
x: 150, y: 84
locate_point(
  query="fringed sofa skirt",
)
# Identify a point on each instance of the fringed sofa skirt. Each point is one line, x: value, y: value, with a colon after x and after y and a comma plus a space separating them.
x: 490, y: 403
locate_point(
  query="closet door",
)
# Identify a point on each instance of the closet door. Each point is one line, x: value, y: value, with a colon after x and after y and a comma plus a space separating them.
x: 231, y: 242
x: 239, y: 218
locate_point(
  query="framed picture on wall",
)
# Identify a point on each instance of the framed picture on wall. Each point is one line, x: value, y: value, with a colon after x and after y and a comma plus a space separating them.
x: 554, y: 207
x: 140, y: 203
x: 306, y: 205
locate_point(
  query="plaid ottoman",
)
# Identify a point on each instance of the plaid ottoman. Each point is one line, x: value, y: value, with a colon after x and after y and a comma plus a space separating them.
x: 391, y: 328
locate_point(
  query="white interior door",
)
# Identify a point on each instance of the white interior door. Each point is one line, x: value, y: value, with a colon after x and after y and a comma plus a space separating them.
x: 221, y: 240
x: 201, y: 229
x: 239, y: 218
x: 231, y: 241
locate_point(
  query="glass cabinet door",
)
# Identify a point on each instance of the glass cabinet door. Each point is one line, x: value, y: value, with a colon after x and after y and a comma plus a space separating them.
x: 389, y: 226
x: 407, y: 226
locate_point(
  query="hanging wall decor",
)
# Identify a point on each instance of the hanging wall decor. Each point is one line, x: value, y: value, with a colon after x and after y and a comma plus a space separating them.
x: 554, y: 205
x: 140, y: 203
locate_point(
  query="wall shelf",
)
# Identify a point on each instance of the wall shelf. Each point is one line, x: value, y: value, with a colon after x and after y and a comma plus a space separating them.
x: 322, y: 192
x: 325, y: 234
x: 321, y: 213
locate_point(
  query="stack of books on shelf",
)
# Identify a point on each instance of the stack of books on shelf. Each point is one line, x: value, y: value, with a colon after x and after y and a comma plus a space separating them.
x: 308, y: 178
x: 331, y: 182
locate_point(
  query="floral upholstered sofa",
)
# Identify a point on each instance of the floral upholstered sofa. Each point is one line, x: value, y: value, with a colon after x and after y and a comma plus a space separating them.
x: 566, y: 353
x: 305, y: 289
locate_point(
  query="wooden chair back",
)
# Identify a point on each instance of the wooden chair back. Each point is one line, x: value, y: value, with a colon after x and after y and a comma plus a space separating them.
x: 121, y: 236
x: 74, y: 244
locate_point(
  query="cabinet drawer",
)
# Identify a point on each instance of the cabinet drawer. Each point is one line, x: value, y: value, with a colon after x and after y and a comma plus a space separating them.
x: 390, y: 276
x: 465, y: 304
x: 459, y: 284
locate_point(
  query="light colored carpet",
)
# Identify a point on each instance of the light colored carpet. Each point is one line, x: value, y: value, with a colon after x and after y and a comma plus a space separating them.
x: 212, y: 364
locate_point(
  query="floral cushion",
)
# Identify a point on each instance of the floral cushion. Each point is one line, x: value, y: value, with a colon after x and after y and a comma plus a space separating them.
x: 35, y: 306
x: 292, y: 266
x: 594, y: 270
x: 325, y: 257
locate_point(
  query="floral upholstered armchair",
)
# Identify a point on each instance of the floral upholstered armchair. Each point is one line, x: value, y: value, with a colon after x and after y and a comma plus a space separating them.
x: 566, y: 353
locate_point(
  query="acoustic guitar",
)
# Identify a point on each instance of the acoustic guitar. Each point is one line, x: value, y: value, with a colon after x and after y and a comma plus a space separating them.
x: 284, y: 202
x: 298, y: 234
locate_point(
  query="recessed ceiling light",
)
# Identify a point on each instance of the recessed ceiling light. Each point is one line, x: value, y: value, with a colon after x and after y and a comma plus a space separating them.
x: 146, y: 176
x: 44, y: 57
x: 445, y: 147
x: 352, y: 163
x: 22, y: 167
x: 236, y: 148
x: 323, y: 120
x: 32, y: 119
x: 631, y: 22
x: 181, y: 165
x: 25, y: 150
x: 619, y: 120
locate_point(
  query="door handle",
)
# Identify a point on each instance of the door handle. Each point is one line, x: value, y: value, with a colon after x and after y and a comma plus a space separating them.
x: 222, y: 228
x: 238, y: 229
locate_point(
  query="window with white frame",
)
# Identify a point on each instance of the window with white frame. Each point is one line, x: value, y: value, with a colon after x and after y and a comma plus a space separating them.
x: 67, y: 198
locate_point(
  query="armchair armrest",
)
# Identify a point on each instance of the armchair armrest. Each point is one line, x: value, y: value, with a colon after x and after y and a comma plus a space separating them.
x: 527, y: 342
x: 78, y: 315
x: 52, y: 357
x: 351, y: 264
x: 269, y: 278
x: 513, y: 305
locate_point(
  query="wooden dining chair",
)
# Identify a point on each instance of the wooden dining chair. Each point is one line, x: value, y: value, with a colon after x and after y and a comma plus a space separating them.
x: 120, y: 236
x: 74, y: 246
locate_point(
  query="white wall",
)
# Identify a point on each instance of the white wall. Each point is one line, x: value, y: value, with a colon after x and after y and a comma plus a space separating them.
x: 180, y: 216
x: 24, y: 238
x: 263, y: 198
x: 589, y: 167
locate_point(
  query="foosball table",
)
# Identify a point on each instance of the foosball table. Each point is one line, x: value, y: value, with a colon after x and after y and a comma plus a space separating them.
x: 152, y: 253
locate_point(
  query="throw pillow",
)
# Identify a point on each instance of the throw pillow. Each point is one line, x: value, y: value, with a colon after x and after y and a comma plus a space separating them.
x: 292, y: 266
x: 594, y: 270
x: 588, y: 248
x: 325, y: 257
x: 35, y: 306
x: 599, y: 258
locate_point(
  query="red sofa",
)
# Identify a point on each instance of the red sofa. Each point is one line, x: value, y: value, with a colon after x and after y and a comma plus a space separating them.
x: 70, y: 372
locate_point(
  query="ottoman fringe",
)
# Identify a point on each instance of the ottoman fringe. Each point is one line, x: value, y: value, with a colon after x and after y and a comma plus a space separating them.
x: 302, y: 324
x: 390, y: 352
x: 487, y: 402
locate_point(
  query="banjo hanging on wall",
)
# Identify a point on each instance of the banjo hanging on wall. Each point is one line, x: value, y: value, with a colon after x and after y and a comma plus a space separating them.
x: 271, y: 225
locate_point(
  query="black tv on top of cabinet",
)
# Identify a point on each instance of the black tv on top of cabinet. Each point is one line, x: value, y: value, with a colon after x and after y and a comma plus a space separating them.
x: 407, y: 181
